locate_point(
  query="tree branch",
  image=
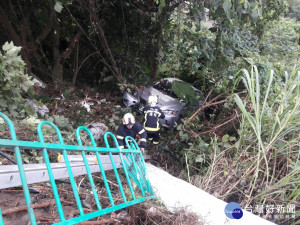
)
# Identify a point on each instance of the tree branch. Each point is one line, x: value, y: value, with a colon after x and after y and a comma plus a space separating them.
x: 199, y: 110
x: 95, y: 22
x: 45, y: 31
x: 206, y: 105
x: 101, y: 58
x: 214, y: 128
x: 71, y: 46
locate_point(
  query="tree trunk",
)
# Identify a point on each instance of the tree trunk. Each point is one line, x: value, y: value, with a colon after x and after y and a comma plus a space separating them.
x: 60, y: 58
x: 57, y: 68
x: 7, y: 25
x: 57, y: 72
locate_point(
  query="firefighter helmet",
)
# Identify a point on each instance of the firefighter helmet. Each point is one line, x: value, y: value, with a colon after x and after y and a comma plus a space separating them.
x: 152, y: 100
x: 128, y: 119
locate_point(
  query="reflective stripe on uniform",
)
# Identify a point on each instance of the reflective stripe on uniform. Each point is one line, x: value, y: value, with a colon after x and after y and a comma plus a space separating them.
x: 155, y: 142
x: 142, y: 131
x: 120, y: 137
x: 143, y: 139
x: 151, y: 129
x: 157, y: 123
x: 154, y: 112
x: 121, y: 147
x: 150, y: 139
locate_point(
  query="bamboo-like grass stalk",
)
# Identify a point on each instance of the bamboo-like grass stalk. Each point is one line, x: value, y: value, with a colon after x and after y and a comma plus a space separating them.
x: 256, y: 122
x: 285, y: 122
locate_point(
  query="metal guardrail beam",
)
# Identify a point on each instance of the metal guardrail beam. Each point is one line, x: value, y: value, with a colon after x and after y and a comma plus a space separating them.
x: 36, y: 173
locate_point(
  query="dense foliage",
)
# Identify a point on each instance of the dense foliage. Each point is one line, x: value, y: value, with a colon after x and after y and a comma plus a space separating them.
x: 99, y: 41
x: 14, y: 80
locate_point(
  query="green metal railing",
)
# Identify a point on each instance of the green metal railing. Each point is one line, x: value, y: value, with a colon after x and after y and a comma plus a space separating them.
x: 132, y: 162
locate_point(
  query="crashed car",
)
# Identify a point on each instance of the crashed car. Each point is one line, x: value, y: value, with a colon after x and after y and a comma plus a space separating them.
x: 173, y: 107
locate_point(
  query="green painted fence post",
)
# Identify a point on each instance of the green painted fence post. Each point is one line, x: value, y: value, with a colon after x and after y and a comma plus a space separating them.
x: 122, y: 161
x: 1, y: 218
x: 114, y: 168
x: 94, y: 190
x: 21, y: 169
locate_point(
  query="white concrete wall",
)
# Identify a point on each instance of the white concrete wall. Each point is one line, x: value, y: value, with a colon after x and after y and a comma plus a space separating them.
x: 174, y: 192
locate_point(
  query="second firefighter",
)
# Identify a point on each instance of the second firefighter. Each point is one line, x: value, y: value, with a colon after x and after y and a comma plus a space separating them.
x: 152, y: 114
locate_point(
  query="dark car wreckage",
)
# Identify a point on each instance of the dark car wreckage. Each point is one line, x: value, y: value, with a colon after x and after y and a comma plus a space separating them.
x: 173, y: 107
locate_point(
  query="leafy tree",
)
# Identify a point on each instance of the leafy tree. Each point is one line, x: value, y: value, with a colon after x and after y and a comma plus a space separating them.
x: 41, y: 29
x: 208, y: 53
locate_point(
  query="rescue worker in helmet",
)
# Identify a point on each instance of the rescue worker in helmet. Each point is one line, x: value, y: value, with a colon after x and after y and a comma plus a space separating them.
x: 131, y: 128
x: 152, y: 115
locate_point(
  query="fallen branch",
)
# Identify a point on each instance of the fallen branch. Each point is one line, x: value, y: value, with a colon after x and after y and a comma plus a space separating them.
x: 35, y: 206
x: 104, y: 221
x: 215, y: 127
x: 203, y: 106
x: 67, y: 202
x: 24, y: 208
x: 49, y: 219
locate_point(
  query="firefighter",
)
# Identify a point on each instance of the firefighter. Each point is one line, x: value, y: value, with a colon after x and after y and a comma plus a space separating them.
x: 152, y: 115
x: 131, y: 128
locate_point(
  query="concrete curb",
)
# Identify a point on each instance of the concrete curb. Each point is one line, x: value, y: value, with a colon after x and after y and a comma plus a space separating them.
x: 175, y: 193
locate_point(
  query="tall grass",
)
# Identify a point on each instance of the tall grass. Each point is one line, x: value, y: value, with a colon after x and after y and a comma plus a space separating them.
x: 265, y: 166
x: 276, y: 125
x: 256, y: 121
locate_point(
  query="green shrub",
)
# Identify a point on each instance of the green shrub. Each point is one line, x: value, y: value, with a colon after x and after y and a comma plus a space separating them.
x: 14, y: 80
x: 279, y: 45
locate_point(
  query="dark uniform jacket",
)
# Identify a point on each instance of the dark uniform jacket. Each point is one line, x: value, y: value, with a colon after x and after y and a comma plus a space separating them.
x: 152, y: 115
x: 136, y: 130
